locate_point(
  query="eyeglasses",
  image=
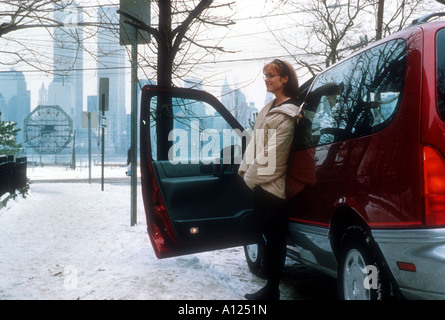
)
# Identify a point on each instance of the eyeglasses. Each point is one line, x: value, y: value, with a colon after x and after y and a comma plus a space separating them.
x: 269, y: 75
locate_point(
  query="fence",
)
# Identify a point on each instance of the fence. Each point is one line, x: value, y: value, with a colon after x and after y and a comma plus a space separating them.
x: 12, y: 175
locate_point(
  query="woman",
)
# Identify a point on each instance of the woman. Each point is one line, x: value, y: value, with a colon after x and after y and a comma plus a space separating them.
x: 271, y: 141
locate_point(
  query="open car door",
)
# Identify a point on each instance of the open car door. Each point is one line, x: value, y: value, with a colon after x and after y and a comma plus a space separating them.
x: 191, y: 147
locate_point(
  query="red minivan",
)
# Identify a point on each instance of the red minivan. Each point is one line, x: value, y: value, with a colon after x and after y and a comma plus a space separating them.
x: 374, y: 219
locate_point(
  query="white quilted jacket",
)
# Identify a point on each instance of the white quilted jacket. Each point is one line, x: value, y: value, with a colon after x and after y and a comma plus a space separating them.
x: 266, y: 157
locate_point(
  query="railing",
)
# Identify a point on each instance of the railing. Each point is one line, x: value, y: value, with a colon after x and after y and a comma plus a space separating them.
x: 13, y: 177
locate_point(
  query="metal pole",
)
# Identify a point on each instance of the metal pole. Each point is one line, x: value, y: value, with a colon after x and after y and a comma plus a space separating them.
x: 133, y: 148
x: 103, y: 140
x: 89, y: 147
x: 73, y: 159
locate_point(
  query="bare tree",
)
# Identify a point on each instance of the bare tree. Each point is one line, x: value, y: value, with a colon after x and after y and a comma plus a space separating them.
x: 325, y: 31
x: 176, y: 46
x: 175, y: 37
x: 21, y: 15
x: 398, y: 14
x: 322, y: 31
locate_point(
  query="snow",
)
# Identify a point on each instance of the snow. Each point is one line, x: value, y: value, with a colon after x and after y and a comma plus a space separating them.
x: 69, y: 240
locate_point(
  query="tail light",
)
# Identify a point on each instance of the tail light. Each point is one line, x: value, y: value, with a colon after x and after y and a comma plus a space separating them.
x: 434, y: 186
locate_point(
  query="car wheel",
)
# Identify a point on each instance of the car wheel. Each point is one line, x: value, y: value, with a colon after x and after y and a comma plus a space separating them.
x: 254, y: 258
x: 360, y: 276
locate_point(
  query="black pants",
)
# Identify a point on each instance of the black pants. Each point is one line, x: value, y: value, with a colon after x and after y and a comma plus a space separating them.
x: 272, y: 212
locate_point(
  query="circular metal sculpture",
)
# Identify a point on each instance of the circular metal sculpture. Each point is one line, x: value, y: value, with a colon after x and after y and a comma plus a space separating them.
x: 48, y: 129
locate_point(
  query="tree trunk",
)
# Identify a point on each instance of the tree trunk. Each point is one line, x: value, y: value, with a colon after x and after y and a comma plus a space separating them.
x: 164, y: 112
x: 165, y: 59
x: 379, y: 22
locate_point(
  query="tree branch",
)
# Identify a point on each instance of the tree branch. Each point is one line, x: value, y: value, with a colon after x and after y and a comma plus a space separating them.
x: 179, y: 32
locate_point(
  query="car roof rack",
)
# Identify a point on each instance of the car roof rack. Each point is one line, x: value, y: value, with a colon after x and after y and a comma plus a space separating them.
x: 427, y: 18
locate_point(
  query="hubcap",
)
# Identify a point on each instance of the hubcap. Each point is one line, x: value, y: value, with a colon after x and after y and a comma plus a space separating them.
x: 354, y: 275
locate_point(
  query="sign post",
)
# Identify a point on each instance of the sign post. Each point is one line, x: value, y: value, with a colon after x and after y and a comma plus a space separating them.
x: 129, y: 35
x: 87, y: 118
x: 134, y: 83
x: 89, y: 147
x: 104, y: 88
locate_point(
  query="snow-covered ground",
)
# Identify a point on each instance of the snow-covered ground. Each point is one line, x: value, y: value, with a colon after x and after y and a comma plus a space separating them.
x: 70, y: 240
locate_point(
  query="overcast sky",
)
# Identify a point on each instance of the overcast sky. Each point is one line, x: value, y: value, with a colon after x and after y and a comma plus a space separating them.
x: 250, y: 37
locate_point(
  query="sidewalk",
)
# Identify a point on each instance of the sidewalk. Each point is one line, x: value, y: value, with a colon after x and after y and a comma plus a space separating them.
x: 74, y: 241
x: 70, y: 240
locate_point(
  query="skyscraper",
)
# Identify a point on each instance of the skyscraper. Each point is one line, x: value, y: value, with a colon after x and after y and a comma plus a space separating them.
x: 111, y: 64
x: 66, y: 89
x: 15, y: 101
x: 235, y: 101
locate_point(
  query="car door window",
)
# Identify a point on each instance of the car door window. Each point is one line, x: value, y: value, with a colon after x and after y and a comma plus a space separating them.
x: 358, y: 96
x: 199, y: 133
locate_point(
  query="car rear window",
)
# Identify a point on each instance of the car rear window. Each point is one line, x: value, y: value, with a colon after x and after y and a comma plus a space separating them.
x: 440, y: 73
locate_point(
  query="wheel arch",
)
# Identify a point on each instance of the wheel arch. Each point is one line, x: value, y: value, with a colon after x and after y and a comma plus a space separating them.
x: 344, y: 218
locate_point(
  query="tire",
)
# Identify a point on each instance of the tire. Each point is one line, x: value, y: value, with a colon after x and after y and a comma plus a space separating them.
x: 254, y: 257
x: 360, y: 275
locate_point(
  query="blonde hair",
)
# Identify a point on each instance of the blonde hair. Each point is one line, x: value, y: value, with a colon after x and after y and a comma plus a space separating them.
x: 284, y: 68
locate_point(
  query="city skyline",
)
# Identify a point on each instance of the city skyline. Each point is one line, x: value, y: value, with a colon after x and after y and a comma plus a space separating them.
x: 75, y: 91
